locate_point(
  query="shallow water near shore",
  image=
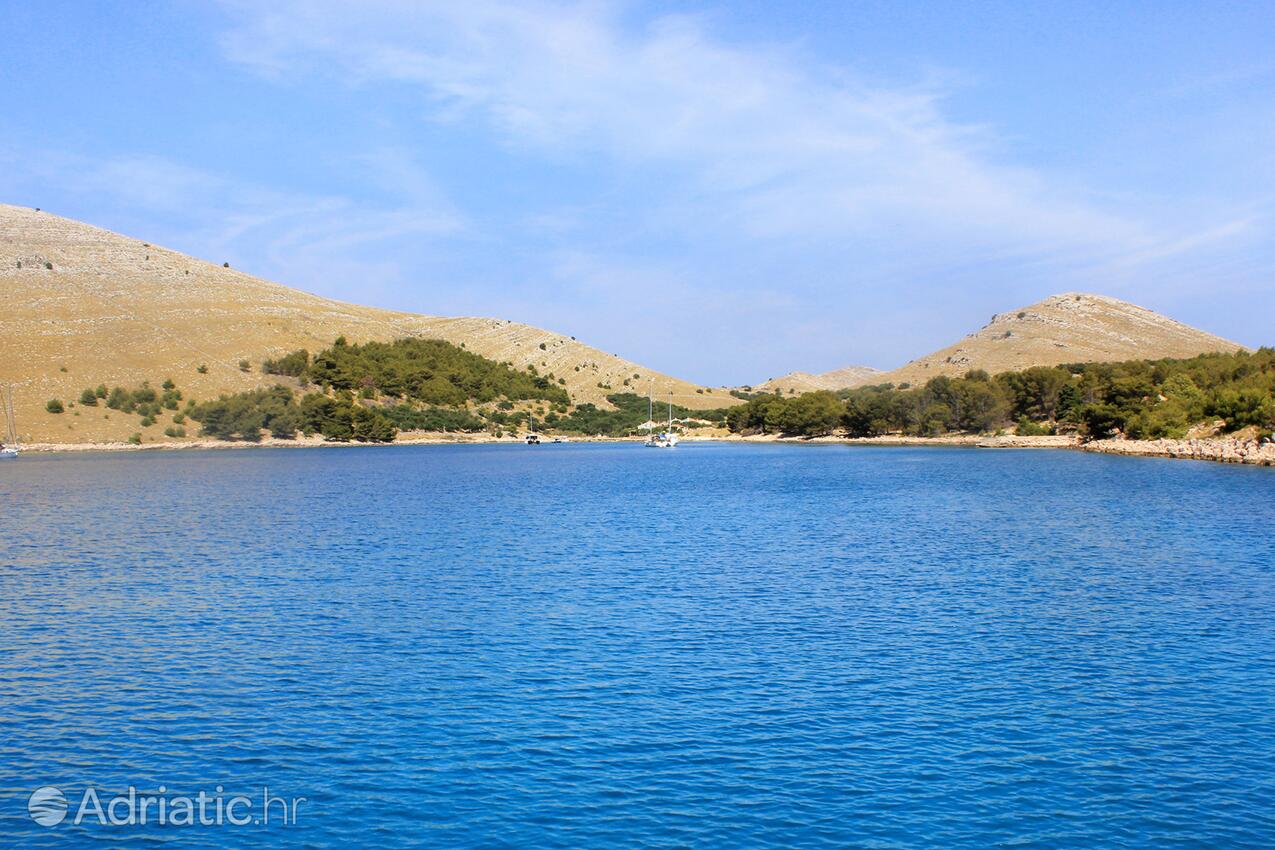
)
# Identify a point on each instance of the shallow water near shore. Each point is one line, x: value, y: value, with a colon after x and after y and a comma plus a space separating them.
x: 601, y: 645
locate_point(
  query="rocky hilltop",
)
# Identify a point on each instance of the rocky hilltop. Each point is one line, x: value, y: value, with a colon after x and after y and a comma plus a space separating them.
x: 85, y: 306
x: 1070, y: 328
x: 837, y: 379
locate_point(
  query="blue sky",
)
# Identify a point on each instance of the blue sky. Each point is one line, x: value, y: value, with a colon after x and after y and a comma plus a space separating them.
x: 723, y: 191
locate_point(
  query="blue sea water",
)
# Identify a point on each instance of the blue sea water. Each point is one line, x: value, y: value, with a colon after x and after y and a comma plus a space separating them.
x: 605, y: 646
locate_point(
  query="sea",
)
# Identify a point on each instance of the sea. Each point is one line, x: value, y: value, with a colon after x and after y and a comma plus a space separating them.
x: 604, y: 645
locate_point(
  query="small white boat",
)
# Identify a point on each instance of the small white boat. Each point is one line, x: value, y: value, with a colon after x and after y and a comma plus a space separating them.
x: 665, y: 439
x: 559, y: 440
x: 9, y: 449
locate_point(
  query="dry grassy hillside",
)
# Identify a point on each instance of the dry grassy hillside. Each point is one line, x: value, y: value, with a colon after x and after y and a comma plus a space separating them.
x: 837, y: 379
x: 84, y: 306
x: 1069, y: 328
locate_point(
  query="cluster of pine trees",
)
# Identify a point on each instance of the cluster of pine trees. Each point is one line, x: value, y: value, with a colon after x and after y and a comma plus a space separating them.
x: 428, y: 371
x: 1141, y: 399
x: 431, y: 383
x: 243, y: 416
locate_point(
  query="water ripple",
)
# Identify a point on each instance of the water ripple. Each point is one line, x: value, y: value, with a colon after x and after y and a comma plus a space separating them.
x: 589, y: 645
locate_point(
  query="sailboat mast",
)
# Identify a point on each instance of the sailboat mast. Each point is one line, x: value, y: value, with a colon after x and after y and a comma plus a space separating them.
x: 11, y: 425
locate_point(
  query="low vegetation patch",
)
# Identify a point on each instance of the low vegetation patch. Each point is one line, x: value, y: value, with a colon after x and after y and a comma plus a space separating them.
x: 426, y: 371
x: 630, y: 413
x: 1139, y: 399
x: 243, y: 416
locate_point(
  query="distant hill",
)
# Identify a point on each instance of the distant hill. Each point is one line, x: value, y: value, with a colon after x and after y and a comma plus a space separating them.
x: 804, y: 382
x: 84, y: 306
x: 1069, y: 328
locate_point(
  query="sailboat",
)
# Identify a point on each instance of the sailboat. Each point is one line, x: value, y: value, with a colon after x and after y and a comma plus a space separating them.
x: 10, y: 447
x: 665, y: 439
x: 532, y: 439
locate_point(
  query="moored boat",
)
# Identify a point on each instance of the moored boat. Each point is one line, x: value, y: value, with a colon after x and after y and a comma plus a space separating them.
x: 665, y: 439
x: 9, y: 449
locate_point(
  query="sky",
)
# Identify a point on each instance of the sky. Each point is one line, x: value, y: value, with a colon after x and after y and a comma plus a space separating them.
x: 722, y: 191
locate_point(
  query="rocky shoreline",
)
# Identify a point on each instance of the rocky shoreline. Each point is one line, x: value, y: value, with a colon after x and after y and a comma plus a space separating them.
x: 1217, y: 449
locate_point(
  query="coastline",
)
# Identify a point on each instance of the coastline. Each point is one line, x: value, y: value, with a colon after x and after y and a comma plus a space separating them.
x: 439, y: 439
x: 1218, y: 450
x: 1214, y: 449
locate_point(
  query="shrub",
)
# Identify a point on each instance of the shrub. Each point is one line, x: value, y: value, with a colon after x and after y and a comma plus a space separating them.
x: 293, y: 365
x: 53, y: 406
x: 135, y: 439
x: 174, y: 431
x: 88, y: 398
x: 1028, y: 428
x: 330, y: 417
x: 245, y: 366
x: 1243, y: 407
x: 369, y: 426
x: 202, y: 368
x: 243, y: 416
x: 119, y: 399
x: 1102, y: 420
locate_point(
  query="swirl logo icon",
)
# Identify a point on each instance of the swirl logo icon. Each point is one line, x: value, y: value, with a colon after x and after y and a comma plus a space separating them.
x: 47, y: 806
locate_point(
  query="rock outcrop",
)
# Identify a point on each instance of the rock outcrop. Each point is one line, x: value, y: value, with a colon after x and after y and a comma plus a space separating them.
x: 1218, y: 449
x: 838, y: 379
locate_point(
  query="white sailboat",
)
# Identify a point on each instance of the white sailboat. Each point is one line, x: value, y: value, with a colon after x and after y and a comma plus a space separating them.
x: 665, y: 439
x: 9, y: 449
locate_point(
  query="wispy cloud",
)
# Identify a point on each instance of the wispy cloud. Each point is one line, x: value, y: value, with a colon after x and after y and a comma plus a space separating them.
x: 766, y: 143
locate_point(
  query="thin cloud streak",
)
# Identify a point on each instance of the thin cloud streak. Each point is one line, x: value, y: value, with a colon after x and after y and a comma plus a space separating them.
x: 777, y: 149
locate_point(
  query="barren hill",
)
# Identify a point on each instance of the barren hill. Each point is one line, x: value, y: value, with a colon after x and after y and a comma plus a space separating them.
x: 84, y: 306
x: 837, y: 379
x: 1069, y: 328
